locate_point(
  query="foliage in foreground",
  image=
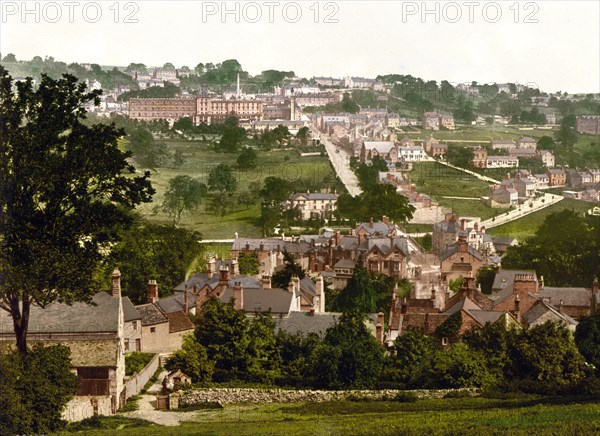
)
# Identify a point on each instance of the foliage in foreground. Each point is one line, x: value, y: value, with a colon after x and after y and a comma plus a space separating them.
x: 35, y: 389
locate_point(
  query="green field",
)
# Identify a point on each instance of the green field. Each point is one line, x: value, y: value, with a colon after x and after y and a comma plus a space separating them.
x: 528, y: 225
x: 200, y: 159
x: 471, y: 416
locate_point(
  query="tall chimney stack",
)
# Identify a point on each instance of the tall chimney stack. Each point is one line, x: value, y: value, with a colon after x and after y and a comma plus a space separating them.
x: 152, y: 291
x: 320, y: 294
x: 116, y: 283
x: 238, y: 296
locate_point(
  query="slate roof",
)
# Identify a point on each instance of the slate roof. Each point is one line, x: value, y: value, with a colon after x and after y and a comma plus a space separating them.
x: 307, y: 286
x: 382, y: 147
x: 314, y: 196
x: 502, y: 287
x: 377, y: 227
x: 453, y: 249
x: 386, y: 245
x: 570, y: 296
x: 77, y: 318
x: 450, y: 226
x: 178, y: 322
x: 175, y: 303
x: 345, y: 263
x: 304, y: 323
x: 540, y: 308
x: 129, y: 311
x: 276, y: 300
x: 269, y: 244
x: 151, y: 314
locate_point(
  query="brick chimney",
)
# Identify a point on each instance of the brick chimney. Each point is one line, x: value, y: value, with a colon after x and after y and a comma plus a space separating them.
x: 238, y: 296
x: 235, y: 267
x: 116, y: 283
x: 385, y: 220
x: 517, y: 311
x: 371, y: 223
x: 152, y: 291
x: 223, y: 277
x: 379, y: 327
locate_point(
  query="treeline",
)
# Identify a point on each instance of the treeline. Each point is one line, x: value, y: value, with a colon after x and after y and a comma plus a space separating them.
x: 229, y: 347
x: 377, y: 199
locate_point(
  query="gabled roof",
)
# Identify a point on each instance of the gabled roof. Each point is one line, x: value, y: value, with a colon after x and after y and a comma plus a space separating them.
x: 255, y: 300
x: 103, y: 316
x: 378, y: 227
x: 269, y: 244
x: 151, y: 314
x: 541, y: 308
x: 453, y: 249
x: 129, y: 312
x: 179, y: 322
x: 569, y: 296
x: 314, y: 196
x: 383, y: 147
x: 345, y: 263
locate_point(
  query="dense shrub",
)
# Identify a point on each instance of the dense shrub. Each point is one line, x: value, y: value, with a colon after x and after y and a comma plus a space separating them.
x: 35, y: 389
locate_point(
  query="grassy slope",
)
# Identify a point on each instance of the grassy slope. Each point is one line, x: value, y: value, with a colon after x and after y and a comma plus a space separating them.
x: 199, y: 162
x: 528, y: 225
x: 448, y: 416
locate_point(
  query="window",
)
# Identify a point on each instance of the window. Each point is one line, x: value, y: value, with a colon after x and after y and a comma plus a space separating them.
x: 126, y: 344
x: 444, y: 341
x: 152, y: 329
x: 134, y: 325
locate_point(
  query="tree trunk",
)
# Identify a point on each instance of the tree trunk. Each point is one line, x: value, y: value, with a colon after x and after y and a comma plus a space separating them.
x: 20, y: 321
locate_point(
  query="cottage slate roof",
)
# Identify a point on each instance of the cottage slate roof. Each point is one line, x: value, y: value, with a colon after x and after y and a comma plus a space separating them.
x: 103, y: 316
x: 541, y: 308
x: 314, y: 196
x: 198, y: 280
x: 276, y: 300
x: 454, y: 249
x: 485, y: 316
x: 175, y: 303
x: 503, y: 240
x: 502, y: 288
x: 307, y: 286
x: 376, y: 228
x: 345, y: 263
x: 556, y: 171
x: 304, y: 323
x: 382, y: 147
x: 570, y: 296
x: 269, y: 244
x: 151, y: 314
x: 129, y: 311
x: 386, y: 244
x: 179, y: 322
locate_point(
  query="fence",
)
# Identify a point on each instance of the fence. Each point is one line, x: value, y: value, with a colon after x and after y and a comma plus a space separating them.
x: 136, y: 383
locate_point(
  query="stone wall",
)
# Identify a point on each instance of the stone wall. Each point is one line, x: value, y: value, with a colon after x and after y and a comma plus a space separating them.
x: 82, y: 407
x: 136, y: 383
x: 240, y: 395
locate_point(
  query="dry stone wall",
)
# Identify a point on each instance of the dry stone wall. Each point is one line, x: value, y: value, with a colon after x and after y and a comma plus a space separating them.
x: 242, y: 395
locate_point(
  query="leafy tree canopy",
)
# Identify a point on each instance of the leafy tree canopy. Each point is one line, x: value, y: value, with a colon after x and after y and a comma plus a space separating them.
x: 63, y: 187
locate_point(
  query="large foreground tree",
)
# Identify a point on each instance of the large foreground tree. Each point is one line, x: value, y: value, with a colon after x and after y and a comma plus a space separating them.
x: 63, y: 188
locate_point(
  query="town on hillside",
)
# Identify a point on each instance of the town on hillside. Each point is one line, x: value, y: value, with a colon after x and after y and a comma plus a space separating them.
x: 314, y: 233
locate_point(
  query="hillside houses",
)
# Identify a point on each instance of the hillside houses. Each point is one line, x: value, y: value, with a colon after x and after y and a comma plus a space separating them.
x: 313, y: 205
x: 437, y: 121
x: 518, y: 299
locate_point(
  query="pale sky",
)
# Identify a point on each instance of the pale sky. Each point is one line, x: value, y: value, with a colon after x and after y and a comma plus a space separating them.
x: 553, y: 44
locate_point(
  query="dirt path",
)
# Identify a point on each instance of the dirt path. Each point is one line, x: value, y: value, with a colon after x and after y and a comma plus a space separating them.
x: 148, y: 412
